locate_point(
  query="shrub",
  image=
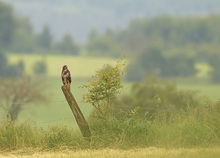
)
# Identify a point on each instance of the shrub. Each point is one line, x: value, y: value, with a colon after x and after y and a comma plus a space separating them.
x: 103, y: 87
x: 40, y: 68
x: 155, y: 95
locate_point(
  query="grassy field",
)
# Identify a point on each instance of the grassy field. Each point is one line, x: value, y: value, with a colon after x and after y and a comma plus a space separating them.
x: 57, y: 111
x: 80, y: 67
x: 211, y: 91
x: 151, y: 152
x: 85, y: 67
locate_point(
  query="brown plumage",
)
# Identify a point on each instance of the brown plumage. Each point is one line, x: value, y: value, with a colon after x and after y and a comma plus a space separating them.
x: 65, y: 75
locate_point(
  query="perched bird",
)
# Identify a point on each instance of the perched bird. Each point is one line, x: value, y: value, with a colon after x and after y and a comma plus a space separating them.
x: 65, y: 75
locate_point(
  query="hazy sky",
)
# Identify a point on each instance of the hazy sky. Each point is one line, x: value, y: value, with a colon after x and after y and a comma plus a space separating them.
x: 78, y: 17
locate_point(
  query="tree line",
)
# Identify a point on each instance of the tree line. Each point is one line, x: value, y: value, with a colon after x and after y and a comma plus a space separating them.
x: 164, y: 46
x: 17, y: 35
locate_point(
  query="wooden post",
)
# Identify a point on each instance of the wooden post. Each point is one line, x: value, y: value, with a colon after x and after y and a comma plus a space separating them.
x: 81, y: 121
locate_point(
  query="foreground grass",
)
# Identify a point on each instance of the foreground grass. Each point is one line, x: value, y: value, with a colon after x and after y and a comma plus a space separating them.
x: 193, y: 129
x: 151, y: 152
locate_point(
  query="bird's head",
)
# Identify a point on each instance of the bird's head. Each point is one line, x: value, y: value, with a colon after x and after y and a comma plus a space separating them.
x: 64, y: 67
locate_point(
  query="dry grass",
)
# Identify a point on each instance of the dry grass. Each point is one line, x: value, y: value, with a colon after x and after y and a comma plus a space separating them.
x: 113, y: 153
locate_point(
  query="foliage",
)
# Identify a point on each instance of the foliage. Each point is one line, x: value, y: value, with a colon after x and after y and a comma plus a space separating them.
x: 214, y: 60
x: 24, y: 39
x: 155, y: 95
x: 3, y: 64
x: 176, y: 31
x: 67, y: 45
x: 116, y: 14
x: 40, y: 68
x: 15, y: 70
x: 103, y: 87
x: 10, y: 70
x: 44, y: 39
x: 16, y: 34
x: 162, y: 45
x: 150, y: 62
x: 7, y: 25
x: 154, y: 62
x: 104, y: 46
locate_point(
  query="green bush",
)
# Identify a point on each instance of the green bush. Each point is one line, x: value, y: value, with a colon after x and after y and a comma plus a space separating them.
x: 103, y: 87
x: 40, y: 68
x: 155, y: 96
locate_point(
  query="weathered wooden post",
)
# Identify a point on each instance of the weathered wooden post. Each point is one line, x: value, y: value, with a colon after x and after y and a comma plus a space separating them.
x: 81, y: 121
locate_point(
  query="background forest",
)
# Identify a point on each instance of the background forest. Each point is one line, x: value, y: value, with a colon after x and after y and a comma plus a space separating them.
x: 171, y: 45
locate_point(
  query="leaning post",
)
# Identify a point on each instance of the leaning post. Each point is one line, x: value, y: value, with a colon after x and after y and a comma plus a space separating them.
x: 80, y: 119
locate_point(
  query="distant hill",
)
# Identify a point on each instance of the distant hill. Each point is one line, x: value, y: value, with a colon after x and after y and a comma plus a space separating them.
x: 80, y: 16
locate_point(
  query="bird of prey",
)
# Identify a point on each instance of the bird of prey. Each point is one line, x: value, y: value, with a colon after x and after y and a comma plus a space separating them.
x: 65, y: 75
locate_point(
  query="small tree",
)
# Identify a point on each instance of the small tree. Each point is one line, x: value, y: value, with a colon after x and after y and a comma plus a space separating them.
x: 15, y: 94
x: 40, y: 68
x: 103, y: 87
x: 10, y: 70
x: 67, y: 45
x: 155, y: 96
x: 3, y: 64
x: 45, y: 38
x: 214, y: 61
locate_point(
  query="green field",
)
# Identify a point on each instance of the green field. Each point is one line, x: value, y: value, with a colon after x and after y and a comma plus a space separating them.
x: 80, y: 67
x: 57, y: 111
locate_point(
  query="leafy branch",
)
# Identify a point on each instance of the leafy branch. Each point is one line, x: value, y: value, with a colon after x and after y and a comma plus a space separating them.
x: 103, y: 87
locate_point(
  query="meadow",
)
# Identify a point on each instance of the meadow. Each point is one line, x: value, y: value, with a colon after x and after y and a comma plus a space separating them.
x: 80, y: 66
x: 49, y: 129
x: 57, y: 111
